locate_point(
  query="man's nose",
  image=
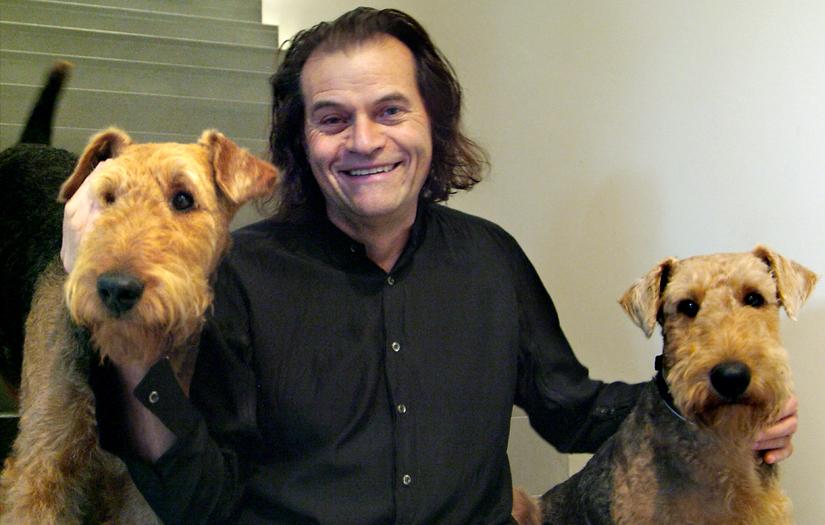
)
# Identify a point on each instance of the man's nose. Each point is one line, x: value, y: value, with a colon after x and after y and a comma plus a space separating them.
x: 366, y: 136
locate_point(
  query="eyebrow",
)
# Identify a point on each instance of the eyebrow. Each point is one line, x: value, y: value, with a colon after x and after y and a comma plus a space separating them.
x: 390, y: 97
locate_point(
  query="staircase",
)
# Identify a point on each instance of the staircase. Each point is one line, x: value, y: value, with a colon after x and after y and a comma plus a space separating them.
x: 162, y: 70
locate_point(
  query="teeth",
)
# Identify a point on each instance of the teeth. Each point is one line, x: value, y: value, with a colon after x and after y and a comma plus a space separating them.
x: 370, y: 171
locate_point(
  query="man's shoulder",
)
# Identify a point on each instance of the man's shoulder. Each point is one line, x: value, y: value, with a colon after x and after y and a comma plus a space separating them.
x: 461, y: 223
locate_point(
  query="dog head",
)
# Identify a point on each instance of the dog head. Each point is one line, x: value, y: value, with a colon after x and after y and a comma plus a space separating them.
x: 723, y: 358
x: 141, y: 277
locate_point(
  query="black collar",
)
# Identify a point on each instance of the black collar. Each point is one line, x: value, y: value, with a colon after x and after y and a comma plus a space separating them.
x: 664, y: 390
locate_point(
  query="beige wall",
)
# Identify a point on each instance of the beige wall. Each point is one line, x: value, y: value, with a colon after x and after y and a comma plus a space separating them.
x: 622, y: 132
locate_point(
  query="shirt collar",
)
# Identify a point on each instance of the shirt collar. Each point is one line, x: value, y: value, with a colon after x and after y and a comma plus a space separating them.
x: 351, y: 254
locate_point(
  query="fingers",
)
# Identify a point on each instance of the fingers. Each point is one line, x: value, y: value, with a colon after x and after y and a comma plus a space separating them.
x: 791, y: 407
x: 79, y: 215
x: 778, y: 454
x: 775, y: 441
x: 784, y: 428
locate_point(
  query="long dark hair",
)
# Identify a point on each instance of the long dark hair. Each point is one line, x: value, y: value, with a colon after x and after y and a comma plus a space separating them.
x: 457, y: 162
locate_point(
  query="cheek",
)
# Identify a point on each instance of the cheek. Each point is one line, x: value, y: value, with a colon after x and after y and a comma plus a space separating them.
x: 320, y: 148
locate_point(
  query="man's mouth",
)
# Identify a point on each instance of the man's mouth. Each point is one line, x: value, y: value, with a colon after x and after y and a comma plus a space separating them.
x: 365, y: 172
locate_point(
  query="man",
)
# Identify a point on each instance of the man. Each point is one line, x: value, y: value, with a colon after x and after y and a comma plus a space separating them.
x: 367, y: 344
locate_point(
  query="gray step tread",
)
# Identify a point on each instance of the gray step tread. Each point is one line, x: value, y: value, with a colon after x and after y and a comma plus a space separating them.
x: 132, y: 46
x: 96, y: 109
x: 127, y: 20
x: 27, y: 68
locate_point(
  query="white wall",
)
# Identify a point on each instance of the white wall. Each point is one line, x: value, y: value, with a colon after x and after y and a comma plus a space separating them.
x: 623, y: 132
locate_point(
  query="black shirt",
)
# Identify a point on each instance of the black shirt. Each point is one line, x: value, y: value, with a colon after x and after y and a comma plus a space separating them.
x: 329, y: 391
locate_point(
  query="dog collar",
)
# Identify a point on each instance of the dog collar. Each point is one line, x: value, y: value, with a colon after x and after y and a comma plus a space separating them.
x: 664, y: 390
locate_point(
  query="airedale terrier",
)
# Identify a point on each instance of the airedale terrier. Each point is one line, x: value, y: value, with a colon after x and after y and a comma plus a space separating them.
x: 141, y: 281
x: 684, y: 454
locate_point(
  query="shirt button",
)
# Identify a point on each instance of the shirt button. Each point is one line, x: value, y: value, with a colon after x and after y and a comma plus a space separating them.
x: 402, y: 408
x: 396, y: 346
x: 154, y: 397
x: 406, y: 480
x: 390, y: 280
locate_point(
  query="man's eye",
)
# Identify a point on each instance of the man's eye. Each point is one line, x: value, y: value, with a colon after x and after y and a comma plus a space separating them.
x: 392, y: 112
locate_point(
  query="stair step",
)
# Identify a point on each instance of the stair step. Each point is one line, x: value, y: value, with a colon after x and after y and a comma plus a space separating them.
x: 135, y: 112
x: 121, y: 20
x: 28, y: 68
x: 247, y: 10
x: 75, y: 139
x: 43, y: 38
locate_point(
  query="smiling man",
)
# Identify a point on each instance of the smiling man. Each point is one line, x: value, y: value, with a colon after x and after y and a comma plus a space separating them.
x: 368, y: 138
x: 367, y: 344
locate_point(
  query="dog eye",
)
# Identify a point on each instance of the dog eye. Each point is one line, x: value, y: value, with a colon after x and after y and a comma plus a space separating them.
x: 182, y: 201
x: 754, y: 300
x: 688, y: 308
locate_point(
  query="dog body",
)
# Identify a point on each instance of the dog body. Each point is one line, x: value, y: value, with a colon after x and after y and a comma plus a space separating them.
x: 138, y: 292
x: 30, y: 219
x: 684, y: 454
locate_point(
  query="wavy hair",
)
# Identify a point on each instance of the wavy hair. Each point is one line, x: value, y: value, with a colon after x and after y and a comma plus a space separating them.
x: 457, y: 161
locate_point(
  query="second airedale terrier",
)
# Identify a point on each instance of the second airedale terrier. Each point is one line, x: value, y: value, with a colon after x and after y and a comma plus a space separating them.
x: 684, y: 454
x: 141, y: 281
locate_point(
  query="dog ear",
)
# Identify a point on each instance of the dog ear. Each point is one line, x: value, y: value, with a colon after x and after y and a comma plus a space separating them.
x: 794, y: 282
x: 643, y: 300
x: 240, y: 175
x: 105, y: 145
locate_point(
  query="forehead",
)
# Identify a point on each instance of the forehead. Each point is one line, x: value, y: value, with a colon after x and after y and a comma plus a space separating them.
x: 733, y: 270
x: 374, y: 67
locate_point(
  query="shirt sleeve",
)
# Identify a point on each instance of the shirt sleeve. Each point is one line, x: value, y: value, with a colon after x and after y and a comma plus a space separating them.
x: 201, y: 478
x: 566, y: 407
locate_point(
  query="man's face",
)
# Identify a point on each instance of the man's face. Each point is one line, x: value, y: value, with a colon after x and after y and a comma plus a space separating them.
x: 367, y: 132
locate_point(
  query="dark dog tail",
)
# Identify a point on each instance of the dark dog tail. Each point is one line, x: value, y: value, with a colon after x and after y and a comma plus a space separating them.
x: 38, y: 129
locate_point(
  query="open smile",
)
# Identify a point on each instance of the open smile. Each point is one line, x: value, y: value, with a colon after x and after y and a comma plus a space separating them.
x: 373, y: 170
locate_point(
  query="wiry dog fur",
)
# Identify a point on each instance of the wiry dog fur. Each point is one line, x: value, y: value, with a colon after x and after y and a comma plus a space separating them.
x: 141, y: 282
x: 684, y: 454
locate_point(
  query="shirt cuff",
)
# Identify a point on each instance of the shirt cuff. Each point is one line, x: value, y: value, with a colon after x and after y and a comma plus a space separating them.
x: 160, y: 392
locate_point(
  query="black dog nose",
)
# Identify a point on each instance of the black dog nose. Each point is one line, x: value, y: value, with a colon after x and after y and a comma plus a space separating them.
x: 730, y: 380
x: 119, y: 291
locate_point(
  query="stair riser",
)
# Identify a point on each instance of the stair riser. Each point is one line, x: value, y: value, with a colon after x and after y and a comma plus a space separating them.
x: 113, y: 75
x: 131, y: 21
x: 97, y: 110
x: 134, y: 47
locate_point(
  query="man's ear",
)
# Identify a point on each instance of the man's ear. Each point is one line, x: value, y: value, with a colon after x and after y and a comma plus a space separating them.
x: 794, y: 282
x: 105, y: 145
x: 238, y: 174
x: 643, y: 300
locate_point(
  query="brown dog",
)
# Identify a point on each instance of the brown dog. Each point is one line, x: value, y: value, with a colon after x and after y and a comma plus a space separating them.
x: 141, y: 281
x: 684, y: 454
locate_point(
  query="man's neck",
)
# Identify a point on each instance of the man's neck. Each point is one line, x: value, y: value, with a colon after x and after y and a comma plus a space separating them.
x: 383, y: 241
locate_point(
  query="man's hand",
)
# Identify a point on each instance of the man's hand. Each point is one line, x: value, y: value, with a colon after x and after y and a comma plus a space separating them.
x: 79, y: 215
x: 775, y: 441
